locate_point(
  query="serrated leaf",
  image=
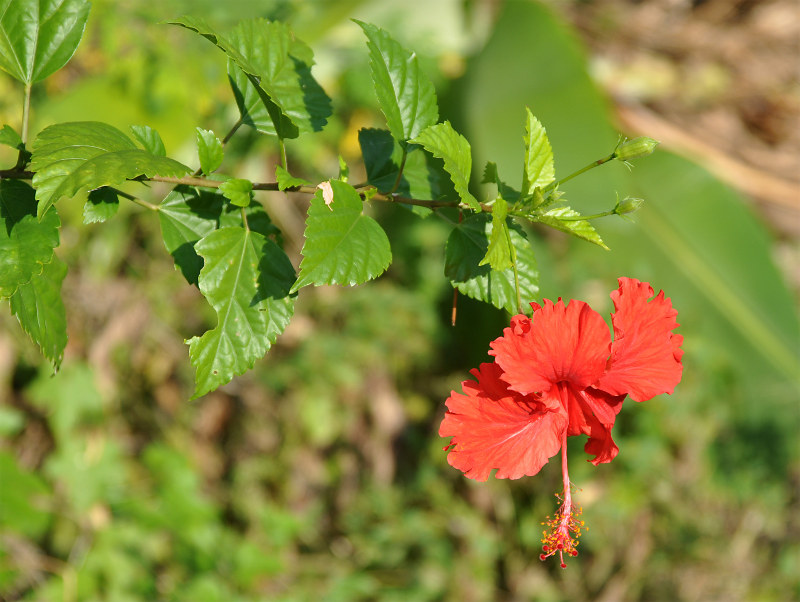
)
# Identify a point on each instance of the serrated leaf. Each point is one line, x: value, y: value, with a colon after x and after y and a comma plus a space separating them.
x: 287, y: 180
x: 468, y: 244
x: 284, y: 125
x: 343, y: 246
x: 9, y: 137
x: 442, y: 141
x: 492, y: 176
x: 84, y: 155
x: 101, y: 205
x: 149, y: 139
x: 238, y: 191
x: 40, y: 310
x: 209, y: 150
x: 423, y: 176
x: 189, y: 214
x: 26, y: 244
x: 498, y: 255
x: 538, y: 170
x: 577, y: 227
x: 38, y: 37
x: 406, y: 96
x: 246, y: 279
x: 283, y: 64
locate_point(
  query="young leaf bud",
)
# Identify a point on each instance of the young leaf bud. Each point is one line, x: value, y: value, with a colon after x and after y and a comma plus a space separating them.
x: 636, y: 148
x: 628, y: 205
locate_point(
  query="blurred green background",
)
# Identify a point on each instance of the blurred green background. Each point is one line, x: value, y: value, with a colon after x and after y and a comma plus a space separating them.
x: 320, y: 475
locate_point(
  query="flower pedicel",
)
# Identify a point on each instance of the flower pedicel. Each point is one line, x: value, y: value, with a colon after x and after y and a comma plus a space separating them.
x: 555, y: 375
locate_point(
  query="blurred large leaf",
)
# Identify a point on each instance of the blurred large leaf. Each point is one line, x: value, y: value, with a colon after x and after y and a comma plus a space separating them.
x: 693, y: 238
x: 84, y: 155
x: 442, y: 141
x: 467, y: 246
x: 246, y: 279
x: 406, y: 96
x: 189, y: 214
x: 38, y: 37
x: 284, y: 69
x: 23, y: 499
x: 40, y: 310
x: 343, y: 246
x: 26, y: 244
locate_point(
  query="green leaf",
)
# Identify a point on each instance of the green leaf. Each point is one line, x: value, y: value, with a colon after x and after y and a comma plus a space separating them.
x: 40, y: 310
x: 102, y: 204
x: 9, y: 137
x: 498, y: 255
x: 238, y: 191
x: 343, y: 246
x: 577, y: 227
x: 406, y: 96
x: 26, y: 244
x: 283, y: 65
x: 539, y: 170
x: 189, y: 214
x: 344, y: 170
x: 492, y: 176
x: 149, y: 139
x: 84, y: 155
x: 442, y: 141
x: 246, y: 279
x: 209, y: 149
x: 38, y: 37
x: 285, y: 127
x: 287, y: 180
x: 468, y: 244
x: 21, y: 510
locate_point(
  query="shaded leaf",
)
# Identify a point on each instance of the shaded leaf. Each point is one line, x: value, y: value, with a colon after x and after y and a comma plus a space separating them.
x: 84, y: 155
x: 538, y: 170
x: 10, y: 137
x: 40, y: 310
x: 423, y: 176
x: 246, y: 279
x: 238, y: 191
x: 406, y: 96
x: 100, y: 205
x: 577, y: 227
x: 149, y: 139
x: 26, y: 244
x: 492, y: 176
x: 209, y: 150
x: 283, y: 64
x: 343, y: 246
x: 442, y: 141
x: 38, y: 37
x: 467, y: 246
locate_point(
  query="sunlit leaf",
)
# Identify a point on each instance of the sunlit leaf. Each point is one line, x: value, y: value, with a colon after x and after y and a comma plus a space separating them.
x: 40, y: 310
x: 149, y: 139
x: 467, y: 246
x: 577, y: 227
x: 10, y: 137
x: 498, y: 255
x: 283, y: 64
x: 442, y: 141
x: 246, y: 279
x: 84, y: 155
x: 287, y: 180
x: 406, y: 96
x: 26, y: 244
x: 238, y: 191
x: 209, y: 150
x: 343, y: 246
x: 539, y: 170
x: 38, y: 37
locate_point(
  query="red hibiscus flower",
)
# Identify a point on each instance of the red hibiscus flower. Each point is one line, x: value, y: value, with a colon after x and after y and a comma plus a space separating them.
x: 559, y: 374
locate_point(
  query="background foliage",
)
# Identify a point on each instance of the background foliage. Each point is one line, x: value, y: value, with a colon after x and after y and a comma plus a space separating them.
x: 319, y: 474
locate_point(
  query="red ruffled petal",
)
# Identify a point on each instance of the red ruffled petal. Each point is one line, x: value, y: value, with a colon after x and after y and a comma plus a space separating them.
x: 494, y: 427
x: 562, y: 344
x: 645, y: 355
